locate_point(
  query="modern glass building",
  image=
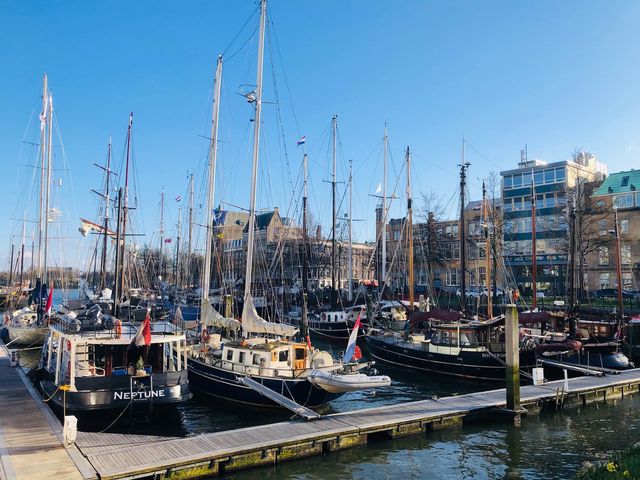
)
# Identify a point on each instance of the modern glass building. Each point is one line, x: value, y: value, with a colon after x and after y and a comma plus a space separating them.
x: 550, y: 184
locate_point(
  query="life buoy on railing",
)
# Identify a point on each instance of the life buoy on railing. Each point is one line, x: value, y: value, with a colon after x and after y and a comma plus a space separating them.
x: 118, y: 327
x: 69, y: 345
x: 323, y: 316
x: 7, y: 318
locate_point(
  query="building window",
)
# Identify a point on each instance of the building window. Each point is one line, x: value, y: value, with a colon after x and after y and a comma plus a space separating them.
x: 603, y: 256
x: 508, y: 205
x: 482, y: 250
x: 517, y: 203
x: 549, y: 176
x: 625, y: 254
x: 452, y: 278
x: 624, y: 226
x: 539, y: 177
x: 508, y: 182
x: 396, y: 235
x: 604, y: 280
x: 517, y: 180
x: 627, y: 280
x: 482, y: 275
x: 623, y: 201
x: 526, y: 179
x: 560, y: 174
x: 456, y: 251
x: 602, y: 227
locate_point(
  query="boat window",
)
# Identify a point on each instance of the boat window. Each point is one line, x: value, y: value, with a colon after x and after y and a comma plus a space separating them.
x: 283, y: 356
x: 241, y: 359
x: 468, y: 339
x: 299, y: 353
x: 229, y: 354
x: 256, y: 359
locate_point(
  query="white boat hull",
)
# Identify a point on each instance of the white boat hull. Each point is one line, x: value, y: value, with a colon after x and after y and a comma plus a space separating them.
x: 335, y: 383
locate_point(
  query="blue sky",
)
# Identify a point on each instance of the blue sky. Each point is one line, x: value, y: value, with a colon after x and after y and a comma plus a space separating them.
x: 553, y: 75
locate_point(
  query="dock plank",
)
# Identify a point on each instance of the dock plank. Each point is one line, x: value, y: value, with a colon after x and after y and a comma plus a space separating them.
x: 30, y: 448
x: 113, y: 457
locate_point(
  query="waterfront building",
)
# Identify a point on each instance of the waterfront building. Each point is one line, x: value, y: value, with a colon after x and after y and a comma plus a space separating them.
x: 620, y: 191
x: 551, y: 183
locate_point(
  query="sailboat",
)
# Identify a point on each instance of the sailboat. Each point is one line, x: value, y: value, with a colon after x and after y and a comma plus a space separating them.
x: 265, y: 367
x: 105, y: 363
x: 26, y: 326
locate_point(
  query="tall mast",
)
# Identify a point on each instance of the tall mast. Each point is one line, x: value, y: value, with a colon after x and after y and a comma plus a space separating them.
x: 176, y: 272
x: 487, y: 250
x: 213, y: 157
x: 618, y: 262
x: 572, y: 243
x: 48, y: 188
x: 188, y: 271
x: 107, y: 206
x: 463, y: 253
x: 24, y: 233
x: 125, y: 205
x: 305, y: 193
x: 534, y: 255
x: 334, y: 125
x: 11, y: 265
x: 160, y: 260
x: 116, y: 287
x: 350, y: 255
x: 410, y: 229
x: 384, y: 208
x: 43, y: 153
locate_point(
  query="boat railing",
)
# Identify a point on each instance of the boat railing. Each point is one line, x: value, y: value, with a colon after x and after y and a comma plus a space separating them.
x: 246, y: 369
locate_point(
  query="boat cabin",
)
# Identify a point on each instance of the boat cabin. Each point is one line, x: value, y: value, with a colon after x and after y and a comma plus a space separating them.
x: 269, y: 359
x: 107, y: 358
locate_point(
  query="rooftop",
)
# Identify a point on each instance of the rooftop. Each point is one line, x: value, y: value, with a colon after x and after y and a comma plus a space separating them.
x: 620, y: 182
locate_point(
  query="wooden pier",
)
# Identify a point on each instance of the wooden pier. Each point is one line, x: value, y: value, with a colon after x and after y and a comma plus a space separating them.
x: 107, y: 456
x: 30, y: 435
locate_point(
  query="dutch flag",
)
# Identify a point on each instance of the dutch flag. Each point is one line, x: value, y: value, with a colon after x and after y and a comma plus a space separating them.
x: 350, y: 352
x: 301, y: 141
x: 178, y: 198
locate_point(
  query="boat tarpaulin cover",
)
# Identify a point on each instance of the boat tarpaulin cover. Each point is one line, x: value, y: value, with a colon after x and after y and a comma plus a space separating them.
x: 253, y: 323
x: 211, y: 318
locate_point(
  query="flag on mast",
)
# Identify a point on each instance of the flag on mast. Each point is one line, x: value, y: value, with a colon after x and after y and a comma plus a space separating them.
x: 350, y: 352
x: 302, y: 141
x: 143, y: 336
x: 47, y: 309
x: 178, y: 198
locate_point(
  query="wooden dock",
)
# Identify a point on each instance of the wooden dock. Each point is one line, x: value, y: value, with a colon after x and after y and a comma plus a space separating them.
x: 30, y: 435
x: 31, y: 445
x: 124, y: 456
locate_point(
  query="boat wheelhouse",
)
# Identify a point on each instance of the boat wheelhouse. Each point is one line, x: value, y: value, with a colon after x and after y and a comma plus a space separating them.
x: 103, y: 369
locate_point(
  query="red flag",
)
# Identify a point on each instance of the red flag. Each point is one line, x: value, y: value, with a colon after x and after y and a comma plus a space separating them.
x: 143, y: 337
x: 47, y: 309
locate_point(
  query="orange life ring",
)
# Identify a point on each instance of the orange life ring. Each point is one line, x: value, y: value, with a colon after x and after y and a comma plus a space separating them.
x: 118, y: 328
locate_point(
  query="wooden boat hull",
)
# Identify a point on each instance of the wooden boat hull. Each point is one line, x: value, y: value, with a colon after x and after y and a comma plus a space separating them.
x: 218, y: 382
